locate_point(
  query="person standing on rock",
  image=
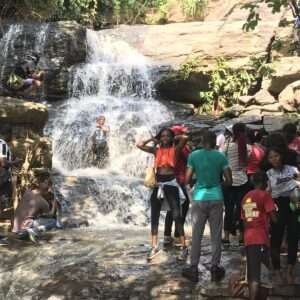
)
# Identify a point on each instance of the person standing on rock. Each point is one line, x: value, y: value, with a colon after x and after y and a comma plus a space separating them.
x: 167, y: 190
x: 180, y: 170
x: 256, y: 210
x: 100, y: 142
x: 210, y: 166
x: 236, y: 151
x: 282, y: 182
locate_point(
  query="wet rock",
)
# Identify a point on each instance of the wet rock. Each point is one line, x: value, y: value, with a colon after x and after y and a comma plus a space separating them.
x: 275, y: 123
x: 234, y: 111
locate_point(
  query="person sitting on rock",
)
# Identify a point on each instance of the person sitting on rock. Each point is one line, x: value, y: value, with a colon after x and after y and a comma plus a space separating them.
x: 26, y: 76
x: 36, y: 212
x: 100, y: 142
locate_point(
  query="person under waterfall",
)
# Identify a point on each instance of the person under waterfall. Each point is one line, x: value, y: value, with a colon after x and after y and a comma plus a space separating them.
x: 26, y: 76
x: 167, y: 190
x: 100, y: 143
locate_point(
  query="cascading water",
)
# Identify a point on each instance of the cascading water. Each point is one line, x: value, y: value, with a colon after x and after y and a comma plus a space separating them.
x: 115, y: 82
x: 7, y: 44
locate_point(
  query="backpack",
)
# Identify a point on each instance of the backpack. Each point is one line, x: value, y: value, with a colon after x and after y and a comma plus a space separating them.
x: 14, y: 81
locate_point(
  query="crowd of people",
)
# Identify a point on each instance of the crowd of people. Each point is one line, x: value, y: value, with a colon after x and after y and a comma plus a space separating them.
x: 244, y: 182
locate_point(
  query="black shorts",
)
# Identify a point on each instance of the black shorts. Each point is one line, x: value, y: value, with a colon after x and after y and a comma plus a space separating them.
x: 256, y: 255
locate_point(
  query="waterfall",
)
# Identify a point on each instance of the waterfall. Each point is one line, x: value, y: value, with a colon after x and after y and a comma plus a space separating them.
x: 114, y: 82
x: 7, y: 45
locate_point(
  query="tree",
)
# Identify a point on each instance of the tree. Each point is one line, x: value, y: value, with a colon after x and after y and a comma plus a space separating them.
x: 276, y: 6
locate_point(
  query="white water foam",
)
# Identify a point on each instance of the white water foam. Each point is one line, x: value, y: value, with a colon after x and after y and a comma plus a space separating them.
x: 115, y: 82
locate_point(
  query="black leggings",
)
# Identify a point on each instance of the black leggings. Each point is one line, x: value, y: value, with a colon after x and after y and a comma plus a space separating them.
x: 287, y: 220
x: 169, y: 217
x: 171, y: 194
x: 233, y: 196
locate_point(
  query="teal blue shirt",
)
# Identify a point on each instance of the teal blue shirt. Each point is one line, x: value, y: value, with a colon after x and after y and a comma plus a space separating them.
x: 208, y: 166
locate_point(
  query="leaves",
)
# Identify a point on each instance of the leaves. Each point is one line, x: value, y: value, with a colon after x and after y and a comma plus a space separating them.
x: 226, y: 85
x: 253, y: 7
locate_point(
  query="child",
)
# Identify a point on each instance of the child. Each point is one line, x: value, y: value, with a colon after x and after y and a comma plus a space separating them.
x: 256, y: 210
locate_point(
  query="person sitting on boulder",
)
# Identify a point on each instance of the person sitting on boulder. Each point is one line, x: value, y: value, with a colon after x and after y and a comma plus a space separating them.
x: 26, y: 76
x: 36, y: 212
x: 100, y: 142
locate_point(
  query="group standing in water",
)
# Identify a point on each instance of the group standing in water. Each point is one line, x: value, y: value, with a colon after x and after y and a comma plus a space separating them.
x: 254, y: 177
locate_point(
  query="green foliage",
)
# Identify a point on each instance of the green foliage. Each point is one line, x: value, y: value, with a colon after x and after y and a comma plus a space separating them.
x: 87, y: 12
x: 277, y: 44
x: 226, y: 85
x: 261, y: 67
x: 194, y: 8
x: 188, y: 67
x: 254, y: 17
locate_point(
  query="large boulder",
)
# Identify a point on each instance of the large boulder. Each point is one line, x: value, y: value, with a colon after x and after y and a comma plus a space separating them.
x: 16, y: 112
x: 200, y: 43
x: 289, y: 97
x: 172, y: 44
x: 287, y: 70
x: 263, y: 97
x: 61, y: 45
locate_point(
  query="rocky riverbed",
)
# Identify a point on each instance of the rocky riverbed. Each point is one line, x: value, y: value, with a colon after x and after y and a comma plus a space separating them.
x: 90, y: 264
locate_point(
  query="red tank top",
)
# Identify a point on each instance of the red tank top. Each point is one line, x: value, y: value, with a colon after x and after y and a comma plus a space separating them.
x: 165, y: 157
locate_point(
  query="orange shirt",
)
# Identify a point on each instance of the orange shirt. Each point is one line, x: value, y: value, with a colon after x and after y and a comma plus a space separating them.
x: 165, y: 157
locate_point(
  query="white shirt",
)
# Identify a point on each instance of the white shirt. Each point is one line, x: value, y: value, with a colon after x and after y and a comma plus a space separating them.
x: 4, y: 150
x: 282, y: 181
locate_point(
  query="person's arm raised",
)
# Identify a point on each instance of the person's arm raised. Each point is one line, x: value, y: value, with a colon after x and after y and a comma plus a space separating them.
x: 182, y: 140
x: 150, y: 149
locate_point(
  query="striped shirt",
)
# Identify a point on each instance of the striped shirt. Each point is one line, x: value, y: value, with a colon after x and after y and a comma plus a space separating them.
x: 239, y: 176
x: 4, y: 150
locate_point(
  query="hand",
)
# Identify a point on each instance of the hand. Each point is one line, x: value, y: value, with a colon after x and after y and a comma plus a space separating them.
x: 155, y: 141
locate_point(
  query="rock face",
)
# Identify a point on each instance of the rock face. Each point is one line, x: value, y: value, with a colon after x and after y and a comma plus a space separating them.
x: 290, y: 97
x: 60, y: 46
x: 174, y: 44
x: 21, y: 125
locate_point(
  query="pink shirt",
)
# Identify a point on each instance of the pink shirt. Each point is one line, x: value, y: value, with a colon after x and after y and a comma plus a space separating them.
x: 256, y: 155
x: 295, y: 145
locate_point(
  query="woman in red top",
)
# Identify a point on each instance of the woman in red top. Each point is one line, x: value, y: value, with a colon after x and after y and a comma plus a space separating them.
x: 180, y: 170
x: 166, y: 155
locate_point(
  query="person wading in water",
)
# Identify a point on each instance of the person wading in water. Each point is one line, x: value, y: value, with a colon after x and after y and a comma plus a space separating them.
x: 100, y: 142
